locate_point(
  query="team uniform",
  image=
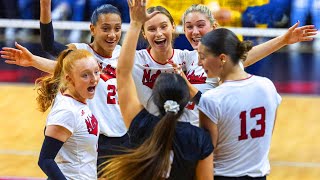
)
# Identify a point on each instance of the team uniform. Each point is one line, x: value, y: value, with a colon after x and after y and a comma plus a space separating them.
x: 244, y: 111
x: 104, y: 104
x: 77, y: 158
x: 146, y: 70
x: 186, y: 152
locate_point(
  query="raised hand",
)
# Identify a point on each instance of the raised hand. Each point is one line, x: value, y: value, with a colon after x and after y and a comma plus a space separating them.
x: 20, y: 56
x: 138, y: 11
x: 298, y: 34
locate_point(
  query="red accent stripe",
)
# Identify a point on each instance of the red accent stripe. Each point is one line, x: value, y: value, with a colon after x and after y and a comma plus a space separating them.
x: 68, y: 95
x: 299, y: 87
x: 99, y: 53
x: 20, y: 75
x: 149, y: 52
x: 239, y: 79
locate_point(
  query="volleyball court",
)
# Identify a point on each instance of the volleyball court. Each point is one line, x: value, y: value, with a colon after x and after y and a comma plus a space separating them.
x: 295, y: 151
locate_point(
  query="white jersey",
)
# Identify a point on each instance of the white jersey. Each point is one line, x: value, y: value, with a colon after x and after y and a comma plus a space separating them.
x: 146, y: 70
x: 244, y: 112
x: 198, y: 78
x: 77, y: 159
x: 105, y: 104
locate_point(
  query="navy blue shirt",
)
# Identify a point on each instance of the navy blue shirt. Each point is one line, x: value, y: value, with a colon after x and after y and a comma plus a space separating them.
x: 190, y: 143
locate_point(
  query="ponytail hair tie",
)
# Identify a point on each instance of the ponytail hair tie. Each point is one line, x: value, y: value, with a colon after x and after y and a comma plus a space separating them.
x: 171, y: 106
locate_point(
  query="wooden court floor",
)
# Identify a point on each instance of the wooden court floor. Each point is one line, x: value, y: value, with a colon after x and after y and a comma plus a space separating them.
x: 294, y: 155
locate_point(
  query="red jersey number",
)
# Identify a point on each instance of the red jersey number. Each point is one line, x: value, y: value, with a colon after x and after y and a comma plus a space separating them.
x: 257, y: 132
x: 112, y: 91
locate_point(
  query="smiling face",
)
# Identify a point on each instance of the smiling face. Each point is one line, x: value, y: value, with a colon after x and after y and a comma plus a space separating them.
x: 83, y: 78
x: 159, y: 32
x: 196, y: 25
x: 106, y: 33
x: 213, y: 65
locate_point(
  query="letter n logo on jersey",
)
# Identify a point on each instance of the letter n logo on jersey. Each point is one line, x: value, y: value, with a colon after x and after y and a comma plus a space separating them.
x: 149, y: 79
x: 92, y: 125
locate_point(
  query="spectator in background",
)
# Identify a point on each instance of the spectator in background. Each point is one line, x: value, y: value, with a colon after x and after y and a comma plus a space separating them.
x: 28, y: 9
x: 274, y: 14
x: 69, y: 10
x: 300, y: 11
x: 229, y: 13
x: 176, y: 8
x: 6, y: 12
x: 122, y: 5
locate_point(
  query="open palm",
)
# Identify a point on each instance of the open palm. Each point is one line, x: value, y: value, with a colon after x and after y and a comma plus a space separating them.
x: 300, y: 34
x: 20, y: 56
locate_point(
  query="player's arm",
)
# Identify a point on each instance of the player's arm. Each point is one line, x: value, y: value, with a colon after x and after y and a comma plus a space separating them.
x: 206, y: 123
x: 46, y: 30
x: 55, y: 136
x: 23, y: 57
x: 293, y: 35
x: 128, y: 97
x: 275, y: 120
x: 204, y: 168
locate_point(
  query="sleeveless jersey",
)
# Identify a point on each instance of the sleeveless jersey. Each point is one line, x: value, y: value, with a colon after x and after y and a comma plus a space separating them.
x: 105, y: 105
x: 244, y: 112
x: 146, y: 70
x: 77, y: 158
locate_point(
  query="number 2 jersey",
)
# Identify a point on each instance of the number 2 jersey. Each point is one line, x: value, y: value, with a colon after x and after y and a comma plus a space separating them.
x: 104, y: 104
x: 245, y: 112
x: 146, y: 70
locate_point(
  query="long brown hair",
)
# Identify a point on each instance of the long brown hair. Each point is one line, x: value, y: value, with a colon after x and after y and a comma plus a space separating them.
x: 48, y: 86
x: 224, y: 41
x: 151, y: 160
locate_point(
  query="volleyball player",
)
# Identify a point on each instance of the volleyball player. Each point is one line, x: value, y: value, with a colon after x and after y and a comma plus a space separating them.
x: 69, y: 150
x: 240, y: 113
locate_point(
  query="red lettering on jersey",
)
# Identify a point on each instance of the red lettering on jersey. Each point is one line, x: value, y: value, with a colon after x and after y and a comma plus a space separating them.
x: 196, y: 79
x: 148, y: 79
x: 108, y: 72
x: 190, y: 105
x: 92, y: 125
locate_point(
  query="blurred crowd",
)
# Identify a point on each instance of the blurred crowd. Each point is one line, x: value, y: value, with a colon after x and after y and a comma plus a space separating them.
x: 234, y: 13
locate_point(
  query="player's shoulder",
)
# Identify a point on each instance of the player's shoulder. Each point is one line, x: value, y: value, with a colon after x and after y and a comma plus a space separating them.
x: 264, y: 81
x: 80, y: 46
x: 66, y: 104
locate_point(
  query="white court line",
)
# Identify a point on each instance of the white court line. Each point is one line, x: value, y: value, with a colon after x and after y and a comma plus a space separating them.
x: 20, y: 178
x: 18, y: 152
x: 296, y: 164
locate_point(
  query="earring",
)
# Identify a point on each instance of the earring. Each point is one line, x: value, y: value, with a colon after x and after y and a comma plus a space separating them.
x: 224, y: 61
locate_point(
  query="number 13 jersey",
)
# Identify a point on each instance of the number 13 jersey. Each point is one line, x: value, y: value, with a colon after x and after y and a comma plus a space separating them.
x: 244, y: 112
